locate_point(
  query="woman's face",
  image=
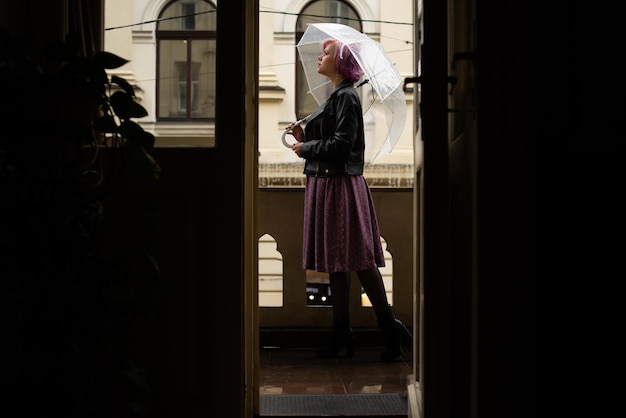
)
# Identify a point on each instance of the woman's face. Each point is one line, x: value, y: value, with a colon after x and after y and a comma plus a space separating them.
x: 326, y: 61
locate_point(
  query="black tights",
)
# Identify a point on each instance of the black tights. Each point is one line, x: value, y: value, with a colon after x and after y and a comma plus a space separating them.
x: 372, y: 283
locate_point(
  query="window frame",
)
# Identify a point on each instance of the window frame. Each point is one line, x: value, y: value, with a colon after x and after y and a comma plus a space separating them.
x: 188, y: 36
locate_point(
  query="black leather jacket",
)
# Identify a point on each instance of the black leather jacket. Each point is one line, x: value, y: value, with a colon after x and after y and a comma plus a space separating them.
x: 334, y: 136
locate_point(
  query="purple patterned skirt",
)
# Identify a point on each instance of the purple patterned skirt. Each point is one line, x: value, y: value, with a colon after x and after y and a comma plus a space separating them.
x: 340, y: 225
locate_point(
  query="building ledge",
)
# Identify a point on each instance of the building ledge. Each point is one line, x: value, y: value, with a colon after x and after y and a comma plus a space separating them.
x: 289, y: 175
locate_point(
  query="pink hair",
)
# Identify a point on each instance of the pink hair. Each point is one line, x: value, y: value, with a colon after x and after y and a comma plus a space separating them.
x: 345, y: 62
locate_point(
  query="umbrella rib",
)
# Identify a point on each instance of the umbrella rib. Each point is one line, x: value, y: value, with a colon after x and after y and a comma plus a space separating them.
x: 380, y: 73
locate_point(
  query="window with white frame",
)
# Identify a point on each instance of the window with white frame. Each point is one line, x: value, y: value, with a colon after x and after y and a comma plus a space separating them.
x: 186, y: 55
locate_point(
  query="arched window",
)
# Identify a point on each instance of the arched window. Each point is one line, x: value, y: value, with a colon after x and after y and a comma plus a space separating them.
x: 186, y: 52
x: 333, y: 11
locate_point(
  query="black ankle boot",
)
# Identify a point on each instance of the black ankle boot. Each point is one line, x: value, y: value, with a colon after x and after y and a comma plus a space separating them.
x: 341, y: 337
x: 393, y: 330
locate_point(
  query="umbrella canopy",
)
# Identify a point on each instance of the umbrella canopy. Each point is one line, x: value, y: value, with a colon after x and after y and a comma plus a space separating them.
x: 381, y: 82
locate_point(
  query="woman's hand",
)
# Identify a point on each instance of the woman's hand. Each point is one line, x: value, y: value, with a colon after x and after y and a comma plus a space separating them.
x: 296, y: 148
x: 295, y: 129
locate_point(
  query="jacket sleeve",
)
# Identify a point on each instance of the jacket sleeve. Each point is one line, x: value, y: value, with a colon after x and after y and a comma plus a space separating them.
x: 336, y: 143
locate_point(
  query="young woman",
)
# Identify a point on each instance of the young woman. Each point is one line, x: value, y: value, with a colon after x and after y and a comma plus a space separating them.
x: 340, y: 226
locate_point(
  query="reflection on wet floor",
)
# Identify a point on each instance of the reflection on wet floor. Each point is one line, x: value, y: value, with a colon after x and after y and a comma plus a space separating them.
x: 299, y: 371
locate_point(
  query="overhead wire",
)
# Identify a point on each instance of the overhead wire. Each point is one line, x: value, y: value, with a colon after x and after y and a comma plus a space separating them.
x: 335, y: 17
x: 274, y: 12
x: 260, y: 11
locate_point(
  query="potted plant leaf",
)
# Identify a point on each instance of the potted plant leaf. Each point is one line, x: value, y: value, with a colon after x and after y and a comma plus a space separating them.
x: 71, y: 292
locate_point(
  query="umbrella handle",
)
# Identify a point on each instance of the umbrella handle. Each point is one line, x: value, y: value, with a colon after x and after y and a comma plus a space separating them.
x: 285, y: 143
x: 282, y: 138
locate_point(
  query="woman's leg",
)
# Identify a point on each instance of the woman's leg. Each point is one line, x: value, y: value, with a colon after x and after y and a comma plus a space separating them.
x: 342, y: 333
x: 372, y: 282
x: 392, y: 328
x: 340, y: 293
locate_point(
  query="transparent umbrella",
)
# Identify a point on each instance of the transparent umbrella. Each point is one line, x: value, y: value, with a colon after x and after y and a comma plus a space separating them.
x: 381, y: 83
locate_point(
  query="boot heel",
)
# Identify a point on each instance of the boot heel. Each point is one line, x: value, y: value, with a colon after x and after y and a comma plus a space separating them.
x: 404, y: 331
x: 341, y: 336
x: 393, y: 330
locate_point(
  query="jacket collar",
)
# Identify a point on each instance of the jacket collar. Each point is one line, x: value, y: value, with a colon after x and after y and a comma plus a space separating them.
x: 342, y: 85
x: 320, y: 109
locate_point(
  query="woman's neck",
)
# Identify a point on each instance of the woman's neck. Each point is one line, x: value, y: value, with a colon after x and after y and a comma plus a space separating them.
x: 337, y: 80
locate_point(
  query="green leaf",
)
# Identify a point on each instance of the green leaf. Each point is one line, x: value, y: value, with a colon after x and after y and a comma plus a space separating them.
x: 124, y: 85
x: 137, y: 110
x: 98, y: 79
x: 109, y: 60
x: 125, y: 107
x: 121, y: 103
